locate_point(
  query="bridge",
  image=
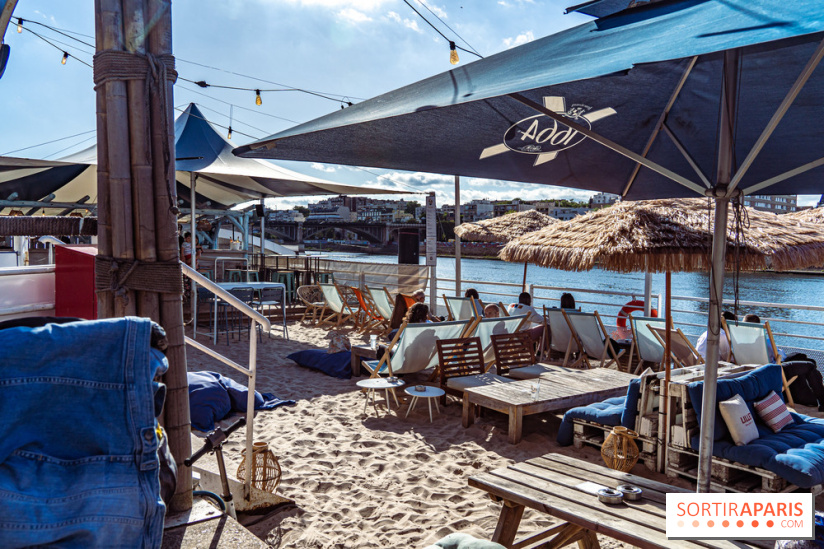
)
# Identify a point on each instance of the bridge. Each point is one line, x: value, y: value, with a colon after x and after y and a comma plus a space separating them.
x: 376, y: 233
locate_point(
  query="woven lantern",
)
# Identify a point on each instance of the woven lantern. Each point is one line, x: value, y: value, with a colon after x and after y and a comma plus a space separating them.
x: 619, y: 450
x: 266, y: 471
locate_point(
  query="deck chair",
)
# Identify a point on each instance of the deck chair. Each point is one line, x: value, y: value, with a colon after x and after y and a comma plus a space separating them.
x: 561, y: 340
x: 339, y: 309
x: 463, y: 308
x: 644, y: 343
x: 413, y: 348
x: 503, y: 309
x: 588, y: 331
x: 750, y: 343
x: 485, y: 328
x: 382, y: 300
x: 682, y: 352
x: 461, y: 365
x: 312, y: 297
x: 515, y: 356
x: 372, y: 318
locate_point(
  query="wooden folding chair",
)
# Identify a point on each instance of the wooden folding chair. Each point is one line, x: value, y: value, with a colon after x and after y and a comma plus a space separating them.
x: 370, y: 318
x: 591, y: 335
x: 334, y: 302
x: 682, y: 353
x: 644, y: 343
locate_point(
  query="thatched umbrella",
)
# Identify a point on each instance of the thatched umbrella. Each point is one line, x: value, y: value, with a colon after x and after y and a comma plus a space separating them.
x: 505, y: 228
x: 666, y: 235
x: 812, y: 215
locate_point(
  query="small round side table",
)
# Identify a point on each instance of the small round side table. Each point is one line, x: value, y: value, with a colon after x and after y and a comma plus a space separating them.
x: 429, y: 393
x: 380, y: 383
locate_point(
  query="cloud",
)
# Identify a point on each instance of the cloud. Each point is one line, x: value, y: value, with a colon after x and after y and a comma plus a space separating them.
x: 440, y: 12
x: 523, y: 38
x: 323, y: 167
x: 353, y: 16
x: 408, y: 23
x: 356, y: 5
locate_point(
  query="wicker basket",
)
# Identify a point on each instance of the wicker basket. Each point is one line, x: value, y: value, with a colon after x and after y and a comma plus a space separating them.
x: 619, y: 450
x: 266, y: 471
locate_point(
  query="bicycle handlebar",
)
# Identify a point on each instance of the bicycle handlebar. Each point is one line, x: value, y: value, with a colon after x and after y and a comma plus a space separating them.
x: 214, y: 440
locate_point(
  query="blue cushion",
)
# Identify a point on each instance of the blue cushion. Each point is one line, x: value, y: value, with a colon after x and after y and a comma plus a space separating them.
x: 337, y: 365
x: 608, y: 412
x: 208, y: 400
x: 752, y: 386
x: 630, y: 412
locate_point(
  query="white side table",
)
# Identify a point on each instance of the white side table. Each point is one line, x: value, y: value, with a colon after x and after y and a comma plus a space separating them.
x: 429, y: 393
x: 380, y: 383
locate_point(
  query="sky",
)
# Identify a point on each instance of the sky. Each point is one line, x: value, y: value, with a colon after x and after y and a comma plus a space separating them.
x: 347, y: 50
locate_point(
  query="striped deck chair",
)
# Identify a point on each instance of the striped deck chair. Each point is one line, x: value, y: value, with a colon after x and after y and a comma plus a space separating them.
x: 644, y: 344
x: 336, y: 306
x: 588, y: 330
x: 413, y: 348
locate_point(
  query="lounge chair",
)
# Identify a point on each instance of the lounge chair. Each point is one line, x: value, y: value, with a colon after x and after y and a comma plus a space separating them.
x: 461, y: 366
x: 591, y: 336
x: 273, y: 297
x: 561, y: 340
x: 515, y: 356
x: 682, y: 352
x: 339, y: 308
x: 369, y: 316
x: 382, y: 300
x: 463, y: 308
x: 485, y: 328
x: 749, y: 344
x: 413, y: 348
x: 644, y: 343
x: 312, y: 298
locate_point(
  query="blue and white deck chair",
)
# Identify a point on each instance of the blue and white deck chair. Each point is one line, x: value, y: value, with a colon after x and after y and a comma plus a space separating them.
x: 463, y: 308
x: 561, y: 340
x: 588, y: 330
x: 644, y: 343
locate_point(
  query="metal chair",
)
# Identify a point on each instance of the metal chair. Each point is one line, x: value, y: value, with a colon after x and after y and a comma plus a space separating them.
x: 272, y: 297
x: 236, y: 318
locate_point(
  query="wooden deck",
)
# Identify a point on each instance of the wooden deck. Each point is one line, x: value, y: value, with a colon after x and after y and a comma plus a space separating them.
x: 561, y: 389
x: 564, y: 487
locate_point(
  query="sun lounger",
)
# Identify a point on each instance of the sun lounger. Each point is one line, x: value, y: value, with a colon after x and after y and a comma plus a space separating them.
x: 750, y: 343
x: 370, y: 317
x: 336, y: 304
x: 485, y: 328
x: 682, y: 352
x: 383, y: 301
x: 644, y: 343
x: 413, y: 347
x: 588, y: 331
x: 463, y: 308
x: 561, y: 340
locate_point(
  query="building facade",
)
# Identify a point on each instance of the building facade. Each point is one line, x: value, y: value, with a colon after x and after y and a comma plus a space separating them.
x: 775, y: 204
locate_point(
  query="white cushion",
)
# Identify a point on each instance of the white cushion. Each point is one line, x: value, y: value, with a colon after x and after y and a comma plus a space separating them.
x: 739, y: 420
x: 773, y: 412
x: 530, y: 372
x: 478, y: 380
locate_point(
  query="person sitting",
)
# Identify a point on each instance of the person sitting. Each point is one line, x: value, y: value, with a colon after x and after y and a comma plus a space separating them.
x: 418, y: 314
x: 535, y: 328
x: 723, y: 342
x: 492, y: 311
x: 567, y: 301
x: 420, y: 297
x: 755, y: 319
x: 473, y: 293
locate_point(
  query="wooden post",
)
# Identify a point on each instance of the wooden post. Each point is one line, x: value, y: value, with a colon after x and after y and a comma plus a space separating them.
x: 136, y: 193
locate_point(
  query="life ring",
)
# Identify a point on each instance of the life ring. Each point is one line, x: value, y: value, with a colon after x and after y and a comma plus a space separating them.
x: 631, y: 307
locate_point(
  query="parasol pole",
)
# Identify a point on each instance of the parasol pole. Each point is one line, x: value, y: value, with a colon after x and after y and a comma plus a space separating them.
x: 457, y: 238
x: 647, y: 291
x: 667, y: 351
x: 523, y: 286
x: 193, y: 232
x: 726, y: 142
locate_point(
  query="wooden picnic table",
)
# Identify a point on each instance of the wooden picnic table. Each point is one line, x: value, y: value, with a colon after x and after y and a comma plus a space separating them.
x: 561, y: 389
x: 564, y: 487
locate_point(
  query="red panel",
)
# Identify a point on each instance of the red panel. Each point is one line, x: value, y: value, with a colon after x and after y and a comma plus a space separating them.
x: 74, y: 282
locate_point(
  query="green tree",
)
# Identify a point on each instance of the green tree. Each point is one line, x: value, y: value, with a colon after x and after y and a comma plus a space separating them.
x: 411, y: 205
x: 302, y: 209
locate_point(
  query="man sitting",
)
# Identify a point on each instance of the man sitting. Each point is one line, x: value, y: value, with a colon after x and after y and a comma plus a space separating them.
x: 723, y: 342
x: 535, y: 319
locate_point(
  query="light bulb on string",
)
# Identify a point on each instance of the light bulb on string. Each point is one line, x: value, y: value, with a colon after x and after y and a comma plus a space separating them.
x: 258, y: 100
x: 229, y: 136
x: 453, y: 54
x: 65, y: 58
x: 231, y: 116
x: 19, y: 25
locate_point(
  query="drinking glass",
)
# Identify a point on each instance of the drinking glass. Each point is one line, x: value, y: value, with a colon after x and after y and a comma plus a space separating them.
x: 373, y: 342
x: 535, y: 387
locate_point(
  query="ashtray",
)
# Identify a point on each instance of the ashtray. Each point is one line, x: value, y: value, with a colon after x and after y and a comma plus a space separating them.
x: 392, y: 379
x: 420, y: 388
x: 631, y: 493
x: 610, y: 496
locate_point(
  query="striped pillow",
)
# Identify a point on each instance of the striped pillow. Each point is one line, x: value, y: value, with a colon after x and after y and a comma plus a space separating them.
x: 773, y: 412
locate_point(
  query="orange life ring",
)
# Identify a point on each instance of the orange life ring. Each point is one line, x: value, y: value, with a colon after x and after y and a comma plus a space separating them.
x: 631, y: 307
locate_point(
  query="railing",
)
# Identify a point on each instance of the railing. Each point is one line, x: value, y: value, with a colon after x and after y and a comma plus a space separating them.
x: 251, y: 371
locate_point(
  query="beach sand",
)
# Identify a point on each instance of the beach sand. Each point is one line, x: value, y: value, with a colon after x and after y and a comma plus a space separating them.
x: 363, y: 481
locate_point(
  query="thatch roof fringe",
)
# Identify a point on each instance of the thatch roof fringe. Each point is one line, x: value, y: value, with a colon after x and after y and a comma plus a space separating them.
x: 505, y: 227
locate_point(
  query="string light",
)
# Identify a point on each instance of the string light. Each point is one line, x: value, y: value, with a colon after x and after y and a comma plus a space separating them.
x: 229, y: 135
x: 65, y: 58
x: 258, y: 100
x: 453, y: 54
x: 19, y: 25
x: 231, y: 113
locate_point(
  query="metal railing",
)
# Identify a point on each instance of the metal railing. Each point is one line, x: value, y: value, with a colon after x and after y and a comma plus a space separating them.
x: 250, y: 371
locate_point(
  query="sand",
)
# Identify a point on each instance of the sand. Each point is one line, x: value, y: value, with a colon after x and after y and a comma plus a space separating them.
x: 376, y: 481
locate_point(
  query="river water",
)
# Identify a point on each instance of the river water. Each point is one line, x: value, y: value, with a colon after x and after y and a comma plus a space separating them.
x: 767, y: 287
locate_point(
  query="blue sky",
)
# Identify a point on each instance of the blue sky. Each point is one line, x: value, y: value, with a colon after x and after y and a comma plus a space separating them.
x: 353, y: 49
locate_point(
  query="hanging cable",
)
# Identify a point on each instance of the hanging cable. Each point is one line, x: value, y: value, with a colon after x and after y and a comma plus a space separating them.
x: 421, y: 2
x: 47, y: 142
x: 452, y: 45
